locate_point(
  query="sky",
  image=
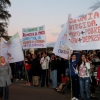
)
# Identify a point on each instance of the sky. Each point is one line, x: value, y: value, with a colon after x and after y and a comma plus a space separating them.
x: 51, y: 13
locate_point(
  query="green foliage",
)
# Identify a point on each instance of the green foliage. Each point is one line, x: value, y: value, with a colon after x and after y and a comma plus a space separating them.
x: 4, y: 16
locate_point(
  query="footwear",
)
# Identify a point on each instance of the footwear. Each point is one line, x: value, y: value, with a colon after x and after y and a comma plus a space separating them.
x: 76, y: 99
x: 93, y: 95
x: 17, y: 79
x: 58, y: 90
x: 1, y: 98
x: 73, y: 98
x: 21, y: 79
x: 28, y: 83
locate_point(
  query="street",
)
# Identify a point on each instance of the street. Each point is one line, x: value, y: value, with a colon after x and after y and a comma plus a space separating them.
x: 20, y: 91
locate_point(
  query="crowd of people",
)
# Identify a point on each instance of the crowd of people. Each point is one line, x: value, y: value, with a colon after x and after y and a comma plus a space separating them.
x: 43, y: 68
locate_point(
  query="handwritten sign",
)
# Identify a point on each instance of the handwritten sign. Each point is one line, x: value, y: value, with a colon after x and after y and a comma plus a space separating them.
x: 34, y: 37
x: 12, y: 49
x: 61, y: 47
x: 84, y: 32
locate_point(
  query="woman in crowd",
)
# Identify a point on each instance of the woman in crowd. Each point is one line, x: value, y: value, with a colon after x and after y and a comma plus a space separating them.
x: 84, y: 77
x: 5, y: 78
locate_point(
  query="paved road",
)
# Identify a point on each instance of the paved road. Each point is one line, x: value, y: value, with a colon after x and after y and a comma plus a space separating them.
x: 20, y: 91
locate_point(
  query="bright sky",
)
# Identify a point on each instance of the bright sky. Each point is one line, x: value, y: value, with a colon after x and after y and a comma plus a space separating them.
x: 51, y: 13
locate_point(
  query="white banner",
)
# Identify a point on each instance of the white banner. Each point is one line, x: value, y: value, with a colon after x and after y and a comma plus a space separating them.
x: 84, y: 32
x: 61, y: 47
x: 34, y: 37
x: 12, y: 49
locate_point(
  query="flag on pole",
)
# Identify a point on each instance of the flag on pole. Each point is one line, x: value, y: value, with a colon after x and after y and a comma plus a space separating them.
x: 12, y: 49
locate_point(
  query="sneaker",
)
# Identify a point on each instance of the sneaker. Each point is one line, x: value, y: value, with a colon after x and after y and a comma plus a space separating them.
x: 17, y: 79
x: 29, y: 83
x: 58, y: 90
x: 21, y: 79
x: 76, y: 99
x: 73, y: 98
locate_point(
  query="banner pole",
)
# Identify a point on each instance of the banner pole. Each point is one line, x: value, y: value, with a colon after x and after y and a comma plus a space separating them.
x: 27, y: 79
x: 70, y: 75
x: 46, y: 69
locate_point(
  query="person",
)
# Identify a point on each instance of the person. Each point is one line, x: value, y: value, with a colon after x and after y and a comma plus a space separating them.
x: 45, y: 66
x: 53, y: 68
x: 35, y: 69
x: 98, y: 75
x: 19, y: 70
x: 84, y: 77
x: 64, y: 81
x: 59, y: 69
x: 5, y: 78
x: 12, y: 65
x: 74, y: 77
x: 28, y: 71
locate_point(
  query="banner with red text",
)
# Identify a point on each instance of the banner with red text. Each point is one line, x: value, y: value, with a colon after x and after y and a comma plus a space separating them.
x: 84, y: 32
x: 61, y: 47
x: 34, y: 37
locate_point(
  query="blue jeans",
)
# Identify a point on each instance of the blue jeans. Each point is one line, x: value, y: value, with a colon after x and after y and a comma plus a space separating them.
x: 54, y: 78
x: 6, y: 92
x: 29, y: 75
x: 84, y: 85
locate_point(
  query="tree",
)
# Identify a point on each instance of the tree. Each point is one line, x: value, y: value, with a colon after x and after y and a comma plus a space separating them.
x: 4, y: 16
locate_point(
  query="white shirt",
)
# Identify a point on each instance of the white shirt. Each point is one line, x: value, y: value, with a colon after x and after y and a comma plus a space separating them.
x: 84, y: 70
x: 45, y: 62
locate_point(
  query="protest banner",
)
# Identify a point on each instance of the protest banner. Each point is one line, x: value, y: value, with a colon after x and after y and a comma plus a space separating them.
x: 84, y: 32
x: 12, y: 49
x: 61, y: 47
x: 34, y: 37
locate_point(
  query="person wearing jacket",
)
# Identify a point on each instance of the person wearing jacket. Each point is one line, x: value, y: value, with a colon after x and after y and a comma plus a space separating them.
x: 5, y: 78
x: 74, y: 77
x: 35, y: 69
x: 45, y: 66
x: 53, y: 68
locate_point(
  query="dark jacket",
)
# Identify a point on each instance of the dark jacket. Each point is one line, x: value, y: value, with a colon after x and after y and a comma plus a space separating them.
x: 35, y: 67
x: 72, y: 68
x: 53, y: 65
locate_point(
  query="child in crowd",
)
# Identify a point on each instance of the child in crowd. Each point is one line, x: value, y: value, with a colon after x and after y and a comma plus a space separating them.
x: 28, y: 72
x: 64, y: 80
